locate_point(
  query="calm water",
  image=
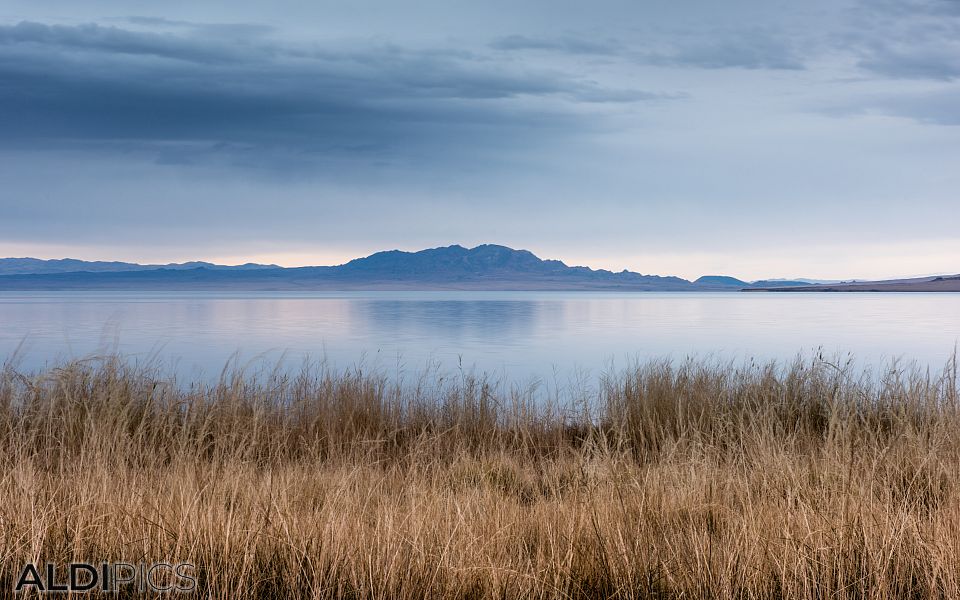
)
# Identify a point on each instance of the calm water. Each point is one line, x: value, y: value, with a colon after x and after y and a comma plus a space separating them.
x: 516, y: 334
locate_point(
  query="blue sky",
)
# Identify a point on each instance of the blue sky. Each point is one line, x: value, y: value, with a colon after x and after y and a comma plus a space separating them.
x: 757, y: 139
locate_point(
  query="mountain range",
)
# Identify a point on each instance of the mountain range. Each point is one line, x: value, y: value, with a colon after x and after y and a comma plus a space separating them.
x: 485, y: 267
x: 36, y: 266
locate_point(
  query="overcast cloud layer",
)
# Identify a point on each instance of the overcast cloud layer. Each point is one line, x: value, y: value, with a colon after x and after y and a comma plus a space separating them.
x: 748, y: 138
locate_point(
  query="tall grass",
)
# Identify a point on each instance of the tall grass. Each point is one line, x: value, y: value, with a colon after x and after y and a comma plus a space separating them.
x: 691, y: 480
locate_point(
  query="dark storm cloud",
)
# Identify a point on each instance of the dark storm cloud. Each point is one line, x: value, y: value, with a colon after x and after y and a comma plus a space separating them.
x: 97, y: 83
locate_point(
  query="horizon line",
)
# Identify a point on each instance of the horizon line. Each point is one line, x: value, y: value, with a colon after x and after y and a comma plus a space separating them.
x: 287, y: 265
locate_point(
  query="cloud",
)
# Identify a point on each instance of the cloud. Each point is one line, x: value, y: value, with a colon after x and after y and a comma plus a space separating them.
x: 568, y: 44
x: 749, y: 49
x: 97, y: 38
x: 938, y: 108
x: 711, y: 49
x: 918, y: 59
x: 913, y: 39
x: 220, y: 29
x: 911, y: 8
x: 922, y: 61
x: 70, y: 84
x: 934, y: 108
x: 382, y: 123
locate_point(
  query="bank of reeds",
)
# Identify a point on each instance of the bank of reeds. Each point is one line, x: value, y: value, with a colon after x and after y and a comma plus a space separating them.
x: 692, y: 480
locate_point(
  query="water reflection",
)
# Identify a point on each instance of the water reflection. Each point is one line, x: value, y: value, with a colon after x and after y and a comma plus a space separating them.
x: 452, y: 319
x: 518, y: 334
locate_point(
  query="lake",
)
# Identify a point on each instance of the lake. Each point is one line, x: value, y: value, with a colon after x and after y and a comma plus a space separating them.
x: 518, y: 335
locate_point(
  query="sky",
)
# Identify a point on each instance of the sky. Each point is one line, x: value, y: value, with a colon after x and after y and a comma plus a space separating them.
x: 749, y: 138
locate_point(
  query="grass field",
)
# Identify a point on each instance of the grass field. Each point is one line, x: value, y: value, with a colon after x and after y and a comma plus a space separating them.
x: 691, y: 480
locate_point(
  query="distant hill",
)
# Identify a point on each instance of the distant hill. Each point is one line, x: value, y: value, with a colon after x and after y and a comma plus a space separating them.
x: 800, y: 280
x: 458, y: 262
x: 721, y: 280
x: 768, y: 283
x: 949, y: 283
x: 486, y: 267
x: 724, y: 281
x: 36, y: 266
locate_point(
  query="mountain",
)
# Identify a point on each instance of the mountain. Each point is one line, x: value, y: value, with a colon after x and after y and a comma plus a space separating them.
x: 35, y: 266
x: 721, y: 281
x: 457, y: 262
x: 732, y: 283
x: 486, y: 267
x: 490, y: 263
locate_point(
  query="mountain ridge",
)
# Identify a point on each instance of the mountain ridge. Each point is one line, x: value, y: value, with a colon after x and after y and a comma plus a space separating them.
x: 38, y: 266
x: 483, y: 267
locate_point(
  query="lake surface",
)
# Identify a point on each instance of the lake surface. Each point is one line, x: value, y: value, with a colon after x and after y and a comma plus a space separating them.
x: 519, y: 335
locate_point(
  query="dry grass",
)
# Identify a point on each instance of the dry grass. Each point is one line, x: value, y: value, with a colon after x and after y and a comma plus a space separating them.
x: 692, y: 480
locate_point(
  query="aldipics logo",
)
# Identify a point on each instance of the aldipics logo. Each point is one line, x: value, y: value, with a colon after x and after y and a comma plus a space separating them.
x: 108, y: 577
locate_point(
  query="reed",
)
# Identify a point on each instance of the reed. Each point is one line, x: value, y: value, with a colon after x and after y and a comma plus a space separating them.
x: 693, y: 480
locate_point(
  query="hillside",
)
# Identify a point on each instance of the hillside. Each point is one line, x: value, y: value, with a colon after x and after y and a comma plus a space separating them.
x: 486, y: 267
